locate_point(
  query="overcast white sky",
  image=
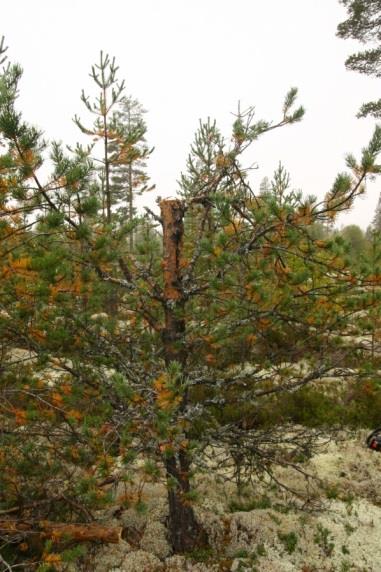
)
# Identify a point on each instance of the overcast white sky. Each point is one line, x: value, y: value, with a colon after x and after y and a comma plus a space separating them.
x: 190, y: 59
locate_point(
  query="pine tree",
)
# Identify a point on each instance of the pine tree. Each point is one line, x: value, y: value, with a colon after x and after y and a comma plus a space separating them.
x: 356, y: 241
x: 364, y: 24
x: 372, y: 271
x: 376, y: 222
x: 167, y: 375
x: 104, y: 130
x: 264, y: 186
x: 128, y: 157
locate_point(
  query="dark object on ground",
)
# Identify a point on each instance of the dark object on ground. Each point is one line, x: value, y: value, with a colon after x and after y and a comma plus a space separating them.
x: 373, y: 440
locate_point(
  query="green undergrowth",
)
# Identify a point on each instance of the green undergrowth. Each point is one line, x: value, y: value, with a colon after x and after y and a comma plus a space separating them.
x: 242, y: 504
x: 354, y: 405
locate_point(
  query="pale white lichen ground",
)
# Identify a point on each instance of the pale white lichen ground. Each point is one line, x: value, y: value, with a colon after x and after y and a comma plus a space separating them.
x: 344, y: 535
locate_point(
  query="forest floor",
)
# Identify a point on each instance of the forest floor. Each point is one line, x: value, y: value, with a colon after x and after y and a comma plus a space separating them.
x: 337, y: 529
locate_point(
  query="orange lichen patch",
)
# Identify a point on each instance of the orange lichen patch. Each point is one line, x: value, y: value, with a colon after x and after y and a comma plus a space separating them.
x: 75, y: 414
x: 374, y: 278
x: 159, y: 383
x: 166, y: 447
x: 167, y: 400
x: 4, y: 186
x: 165, y: 397
x: 74, y: 453
x: 74, y: 286
x: 105, y: 429
x: 303, y: 215
x: 66, y: 389
x: 282, y: 269
x: 61, y: 181
x: 106, y: 461
x: 184, y: 263
x: 252, y: 294
x: 20, y: 416
x: 210, y: 359
x: 37, y: 334
x: 266, y: 250
x: 368, y: 389
x: 127, y: 155
x: 233, y: 227
x: 28, y: 157
x: 20, y: 263
x: 136, y: 398
x: 331, y: 214
x: 230, y: 229
x: 48, y: 414
x: 57, y: 399
x: 227, y: 294
x: 130, y: 497
x: 52, y: 558
x: 338, y: 263
x: 208, y: 339
x: 222, y: 161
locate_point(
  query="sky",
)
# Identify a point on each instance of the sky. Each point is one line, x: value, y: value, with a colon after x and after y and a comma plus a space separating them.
x: 187, y: 60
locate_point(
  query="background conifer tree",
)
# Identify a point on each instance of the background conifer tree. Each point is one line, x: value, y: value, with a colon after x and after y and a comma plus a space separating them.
x: 364, y: 24
x: 128, y: 159
x: 376, y: 222
x: 104, y: 129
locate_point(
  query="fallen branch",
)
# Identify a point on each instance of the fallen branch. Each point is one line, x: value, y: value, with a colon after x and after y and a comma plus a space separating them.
x: 59, y: 531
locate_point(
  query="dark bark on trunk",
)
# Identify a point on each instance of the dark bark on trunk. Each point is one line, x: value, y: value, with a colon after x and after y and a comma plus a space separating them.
x: 185, y: 532
x: 172, y: 212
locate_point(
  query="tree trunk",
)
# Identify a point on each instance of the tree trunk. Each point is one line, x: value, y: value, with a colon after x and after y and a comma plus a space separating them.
x: 172, y: 212
x: 130, y: 206
x: 185, y: 532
